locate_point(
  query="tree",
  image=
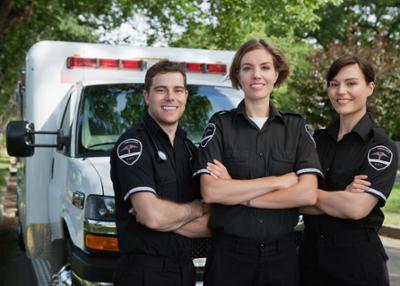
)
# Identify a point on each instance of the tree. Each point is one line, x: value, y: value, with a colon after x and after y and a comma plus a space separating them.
x: 24, y: 22
x: 364, y: 19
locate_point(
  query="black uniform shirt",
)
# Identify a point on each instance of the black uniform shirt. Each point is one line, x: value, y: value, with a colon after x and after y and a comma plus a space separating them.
x: 283, y: 145
x: 136, y: 167
x: 366, y: 150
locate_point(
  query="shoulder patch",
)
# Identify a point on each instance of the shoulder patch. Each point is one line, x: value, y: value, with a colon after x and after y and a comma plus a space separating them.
x: 380, y: 157
x: 129, y: 151
x: 208, y: 134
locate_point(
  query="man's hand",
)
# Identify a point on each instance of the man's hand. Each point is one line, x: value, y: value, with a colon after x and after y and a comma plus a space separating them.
x: 360, y: 184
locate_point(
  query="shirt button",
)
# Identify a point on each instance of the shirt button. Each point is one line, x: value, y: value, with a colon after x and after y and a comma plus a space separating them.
x: 261, y: 154
x: 322, y: 236
x: 261, y: 244
x: 260, y: 220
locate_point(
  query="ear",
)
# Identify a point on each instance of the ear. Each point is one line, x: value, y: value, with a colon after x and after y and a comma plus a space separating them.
x: 276, y: 76
x: 146, y: 96
x: 371, y: 87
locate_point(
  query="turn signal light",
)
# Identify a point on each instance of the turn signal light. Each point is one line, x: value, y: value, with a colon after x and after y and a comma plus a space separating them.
x: 101, y: 243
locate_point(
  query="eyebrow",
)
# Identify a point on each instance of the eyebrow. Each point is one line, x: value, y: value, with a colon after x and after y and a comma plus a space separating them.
x: 347, y: 79
x: 164, y: 86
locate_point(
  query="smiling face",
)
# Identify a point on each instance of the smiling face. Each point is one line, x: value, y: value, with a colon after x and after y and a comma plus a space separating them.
x: 166, y: 98
x: 257, y: 74
x: 348, y: 91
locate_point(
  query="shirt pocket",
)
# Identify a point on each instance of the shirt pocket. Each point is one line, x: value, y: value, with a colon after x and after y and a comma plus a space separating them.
x: 166, y: 183
x: 237, y: 163
x: 282, y: 162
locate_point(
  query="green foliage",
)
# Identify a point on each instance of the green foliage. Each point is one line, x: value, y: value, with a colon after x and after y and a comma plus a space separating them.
x: 31, y: 21
x: 392, y: 207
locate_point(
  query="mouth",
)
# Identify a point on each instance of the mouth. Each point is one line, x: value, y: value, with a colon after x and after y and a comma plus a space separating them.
x: 169, y: 107
x: 257, y: 85
x: 343, y: 100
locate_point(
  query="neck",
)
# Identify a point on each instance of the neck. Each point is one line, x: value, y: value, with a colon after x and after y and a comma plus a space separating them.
x: 170, y: 130
x: 257, y: 108
x: 347, y: 123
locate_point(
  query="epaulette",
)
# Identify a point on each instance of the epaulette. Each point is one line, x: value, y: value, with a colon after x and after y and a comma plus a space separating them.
x: 291, y: 113
x: 380, y: 135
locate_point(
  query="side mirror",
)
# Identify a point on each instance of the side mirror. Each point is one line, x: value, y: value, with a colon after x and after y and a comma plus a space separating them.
x: 20, y: 139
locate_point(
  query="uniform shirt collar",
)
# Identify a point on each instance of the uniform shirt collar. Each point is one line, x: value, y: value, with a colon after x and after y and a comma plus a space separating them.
x: 155, y: 129
x: 273, y: 111
x: 362, y: 128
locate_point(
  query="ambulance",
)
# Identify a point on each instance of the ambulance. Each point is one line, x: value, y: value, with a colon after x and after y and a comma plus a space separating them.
x: 74, y: 101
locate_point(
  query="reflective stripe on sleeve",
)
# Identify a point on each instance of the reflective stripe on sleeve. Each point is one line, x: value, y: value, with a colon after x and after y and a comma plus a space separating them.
x: 139, y: 189
x: 309, y: 170
x: 201, y: 171
x: 377, y: 193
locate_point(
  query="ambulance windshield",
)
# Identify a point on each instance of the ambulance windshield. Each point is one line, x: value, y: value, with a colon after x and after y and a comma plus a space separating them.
x: 108, y: 110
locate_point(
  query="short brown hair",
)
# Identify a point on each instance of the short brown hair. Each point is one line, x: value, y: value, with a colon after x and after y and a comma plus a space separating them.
x: 280, y: 63
x: 365, y: 67
x: 162, y: 67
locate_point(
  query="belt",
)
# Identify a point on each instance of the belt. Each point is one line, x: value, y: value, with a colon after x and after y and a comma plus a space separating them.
x: 158, y: 262
x: 251, y: 245
x: 343, y: 236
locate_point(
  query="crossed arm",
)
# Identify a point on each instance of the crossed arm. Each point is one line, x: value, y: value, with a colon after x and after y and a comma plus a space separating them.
x: 261, y: 192
x: 188, y: 219
x: 351, y: 203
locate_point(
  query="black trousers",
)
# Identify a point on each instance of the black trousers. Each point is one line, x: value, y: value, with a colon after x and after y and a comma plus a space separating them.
x: 347, y: 258
x: 236, y: 261
x: 145, y: 270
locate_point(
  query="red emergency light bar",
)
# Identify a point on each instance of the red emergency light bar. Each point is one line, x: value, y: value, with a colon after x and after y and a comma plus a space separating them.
x: 206, y: 68
x: 78, y: 62
x: 95, y: 63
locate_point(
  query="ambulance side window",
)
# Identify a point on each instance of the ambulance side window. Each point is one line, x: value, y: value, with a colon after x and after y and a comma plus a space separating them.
x: 66, y: 126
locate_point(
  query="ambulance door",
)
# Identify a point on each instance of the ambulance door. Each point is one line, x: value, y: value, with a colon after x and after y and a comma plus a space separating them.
x: 59, y: 168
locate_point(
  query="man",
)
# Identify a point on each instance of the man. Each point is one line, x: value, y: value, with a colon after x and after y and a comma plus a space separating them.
x: 156, y: 208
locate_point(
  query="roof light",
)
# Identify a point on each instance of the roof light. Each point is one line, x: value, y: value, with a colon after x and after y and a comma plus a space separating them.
x: 132, y: 64
x: 216, y: 68
x: 76, y: 62
x: 206, y: 68
x: 194, y: 67
x: 108, y: 64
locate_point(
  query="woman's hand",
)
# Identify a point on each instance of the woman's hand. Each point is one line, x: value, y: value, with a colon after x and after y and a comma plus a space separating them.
x: 360, y: 184
x: 218, y: 170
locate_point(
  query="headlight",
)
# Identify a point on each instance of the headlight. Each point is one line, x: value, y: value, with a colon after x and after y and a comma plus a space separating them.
x: 100, y: 208
x: 99, y: 224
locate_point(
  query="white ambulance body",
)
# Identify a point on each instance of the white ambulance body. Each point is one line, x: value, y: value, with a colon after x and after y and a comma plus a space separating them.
x: 75, y: 101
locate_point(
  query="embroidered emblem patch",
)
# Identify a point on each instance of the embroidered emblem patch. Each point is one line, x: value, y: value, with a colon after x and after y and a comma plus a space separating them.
x: 380, y: 157
x: 129, y: 151
x: 308, y: 130
x: 208, y: 134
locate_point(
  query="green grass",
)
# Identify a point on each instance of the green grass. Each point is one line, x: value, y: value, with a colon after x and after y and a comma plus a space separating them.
x: 392, y: 207
x: 4, y: 165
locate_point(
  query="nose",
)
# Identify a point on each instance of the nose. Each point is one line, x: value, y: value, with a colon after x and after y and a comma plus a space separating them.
x: 341, y: 88
x: 169, y: 94
x: 256, y: 72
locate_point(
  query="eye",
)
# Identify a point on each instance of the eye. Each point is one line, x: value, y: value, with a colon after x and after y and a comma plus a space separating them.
x: 265, y: 68
x: 246, y: 68
x: 179, y: 90
x: 159, y: 89
x: 333, y: 84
